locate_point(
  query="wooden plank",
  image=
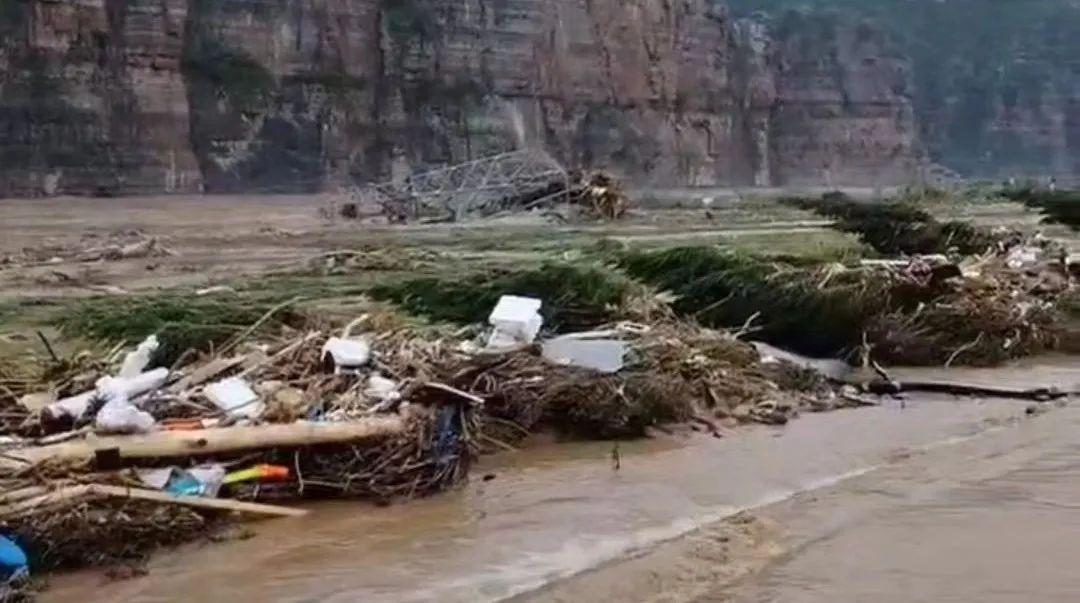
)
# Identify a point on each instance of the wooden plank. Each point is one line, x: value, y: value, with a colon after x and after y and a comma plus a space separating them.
x: 173, y: 444
x: 217, y: 504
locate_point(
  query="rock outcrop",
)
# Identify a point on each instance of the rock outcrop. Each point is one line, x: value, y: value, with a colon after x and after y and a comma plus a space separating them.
x: 994, y: 85
x: 92, y: 99
x: 140, y: 96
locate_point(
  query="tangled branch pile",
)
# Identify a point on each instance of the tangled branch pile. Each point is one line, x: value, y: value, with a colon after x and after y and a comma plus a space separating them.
x: 991, y: 312
x: 675, y: 372
x: 914, y: 311
x: 600, y: 197
x: 406, y: 422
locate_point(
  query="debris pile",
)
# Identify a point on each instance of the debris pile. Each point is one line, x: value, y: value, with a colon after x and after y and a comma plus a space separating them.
x: 984, y: 309
x: 981, y: 310
x: 163, y: 453
x: 92, y: 247
x: 599, y: 196
x: 506, y: 183
x: 127, y: 457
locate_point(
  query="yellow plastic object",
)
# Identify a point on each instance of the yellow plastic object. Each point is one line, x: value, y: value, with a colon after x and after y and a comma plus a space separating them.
x: 257, y: 473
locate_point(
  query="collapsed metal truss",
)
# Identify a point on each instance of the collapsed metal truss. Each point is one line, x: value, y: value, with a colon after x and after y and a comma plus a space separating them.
x: 483, y: 186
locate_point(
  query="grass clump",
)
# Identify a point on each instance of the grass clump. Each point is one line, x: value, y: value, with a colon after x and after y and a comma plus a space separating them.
x: 1058, y: 207
x: 181, y: 322
x: 792, y: 307
x: 895, y: 228
x: 574, y: 295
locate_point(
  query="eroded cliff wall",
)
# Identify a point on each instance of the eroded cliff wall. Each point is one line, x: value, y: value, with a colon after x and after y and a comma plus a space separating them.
x: 136, y: 96
x: 995, y: 85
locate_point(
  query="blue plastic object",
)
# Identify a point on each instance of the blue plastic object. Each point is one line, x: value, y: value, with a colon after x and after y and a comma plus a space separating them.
x: 183, y: 483
x: 13, y: 560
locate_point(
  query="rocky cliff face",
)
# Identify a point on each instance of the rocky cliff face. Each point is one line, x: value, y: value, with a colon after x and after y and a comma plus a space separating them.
x: 92, y: 99
x: 995, y: 85
x: 135, y: 96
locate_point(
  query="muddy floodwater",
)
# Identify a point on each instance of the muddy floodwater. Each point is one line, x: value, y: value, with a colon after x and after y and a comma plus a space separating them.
x: 937, y: 499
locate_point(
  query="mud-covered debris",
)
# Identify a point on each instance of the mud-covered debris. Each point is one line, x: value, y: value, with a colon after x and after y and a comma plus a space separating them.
x: 91, y: 247
x: 600, y: 196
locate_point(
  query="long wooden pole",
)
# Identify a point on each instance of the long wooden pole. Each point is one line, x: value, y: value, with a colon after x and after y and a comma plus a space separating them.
x: 172, y: 444
x: 70, y: 495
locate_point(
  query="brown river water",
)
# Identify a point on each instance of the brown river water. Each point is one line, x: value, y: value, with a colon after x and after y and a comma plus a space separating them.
x: 936, y: 499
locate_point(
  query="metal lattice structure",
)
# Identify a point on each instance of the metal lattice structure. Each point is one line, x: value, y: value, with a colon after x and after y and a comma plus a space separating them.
x: 518, y: 179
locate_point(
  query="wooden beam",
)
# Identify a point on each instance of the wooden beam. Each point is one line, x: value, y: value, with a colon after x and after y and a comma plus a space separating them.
x: 176, y: 444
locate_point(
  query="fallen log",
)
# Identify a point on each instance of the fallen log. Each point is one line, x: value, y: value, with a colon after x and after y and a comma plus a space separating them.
x: 173, y: 444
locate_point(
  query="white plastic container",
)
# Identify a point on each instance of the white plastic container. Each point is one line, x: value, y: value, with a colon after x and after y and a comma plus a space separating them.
x: 347, y: 353
x: 516, y: 320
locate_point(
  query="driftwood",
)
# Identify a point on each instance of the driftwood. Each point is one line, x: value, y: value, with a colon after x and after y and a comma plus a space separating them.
x: 51, y: 500
x: 220, y: 504
x: 173, y: 444
x: 1039, y: 394
x: 69, y: 495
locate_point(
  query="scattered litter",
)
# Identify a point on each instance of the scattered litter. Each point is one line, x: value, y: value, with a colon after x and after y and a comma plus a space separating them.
x: 235, y: 397
x: 603, y: 355
x: 204, y: 480
x: 516, y: 320
x: 92, y: 247
x: 382, y: 389
x: 119, y: 415
x: 1023, y: 256
x: 258, y: 473
x: 135, y: 362
x: 346, y: 354
x: 13, y: 561
x: 156, y: 478
x: 75, y: 406
x: 143, y: 247
x: 288, y: 401
x: 406, y: 421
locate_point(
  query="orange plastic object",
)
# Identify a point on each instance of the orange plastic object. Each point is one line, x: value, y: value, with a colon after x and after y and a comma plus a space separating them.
x: 262, y: 473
